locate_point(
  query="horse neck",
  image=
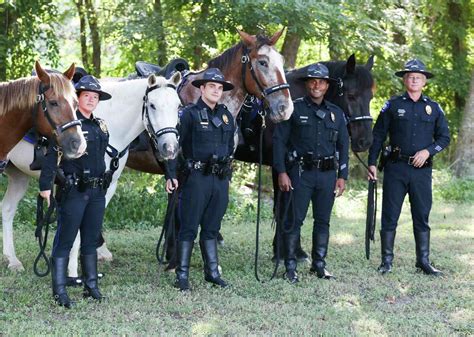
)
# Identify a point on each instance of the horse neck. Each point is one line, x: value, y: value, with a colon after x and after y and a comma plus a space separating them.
x: 232, y: 99
x: 336, y: 70
x: 13, y: 127
x: 123, y: 112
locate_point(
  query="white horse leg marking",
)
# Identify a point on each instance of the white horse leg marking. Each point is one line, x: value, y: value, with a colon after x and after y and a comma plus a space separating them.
x: 17, y: 186
x: 73, y: 257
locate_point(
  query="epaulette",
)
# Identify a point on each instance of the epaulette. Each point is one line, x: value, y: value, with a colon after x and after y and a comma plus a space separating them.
x: 298, y: 100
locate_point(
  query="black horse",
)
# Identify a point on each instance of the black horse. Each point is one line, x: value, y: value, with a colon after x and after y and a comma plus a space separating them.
x: 353, y: 93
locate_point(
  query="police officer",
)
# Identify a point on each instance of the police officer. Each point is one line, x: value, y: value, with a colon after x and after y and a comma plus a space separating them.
x: 310, y: 155
x: 82, y: 201
x: 418, y: 130
x: 207, y: 141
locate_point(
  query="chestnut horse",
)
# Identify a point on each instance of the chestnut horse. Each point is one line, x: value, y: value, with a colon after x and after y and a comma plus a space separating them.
x: 47, y: 101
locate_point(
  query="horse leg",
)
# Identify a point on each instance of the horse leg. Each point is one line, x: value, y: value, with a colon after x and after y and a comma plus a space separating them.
x: 73, y: 257
x: 17, y: 186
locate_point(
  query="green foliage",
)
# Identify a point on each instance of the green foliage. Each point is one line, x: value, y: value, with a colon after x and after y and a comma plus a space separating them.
x: 449, y: 188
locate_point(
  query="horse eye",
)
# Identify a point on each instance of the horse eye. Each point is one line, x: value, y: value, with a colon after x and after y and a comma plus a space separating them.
x: 351, y: 97
x: 54, y: 103
x: 263, y: 63
x: 152, y: 106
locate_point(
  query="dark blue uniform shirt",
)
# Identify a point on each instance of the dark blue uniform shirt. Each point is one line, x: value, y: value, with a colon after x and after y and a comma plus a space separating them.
x: 320, y: 129
x: 97, y: 138
x: 412, y: 126
x: 204, y: 132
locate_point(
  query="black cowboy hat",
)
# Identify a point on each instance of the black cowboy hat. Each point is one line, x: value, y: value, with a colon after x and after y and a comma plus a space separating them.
x: 316, y: 70
x: 213, y: 75
x: 90, y: 83
x: 414, y: 66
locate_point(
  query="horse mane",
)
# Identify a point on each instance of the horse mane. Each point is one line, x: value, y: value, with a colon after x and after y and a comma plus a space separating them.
x: 225, y: 60
x: 21, y: 94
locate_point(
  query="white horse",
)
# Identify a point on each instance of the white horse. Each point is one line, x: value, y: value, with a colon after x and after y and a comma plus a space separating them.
x: 125, y: 121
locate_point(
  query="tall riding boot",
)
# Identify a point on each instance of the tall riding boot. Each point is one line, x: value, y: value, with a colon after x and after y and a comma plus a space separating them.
x: 291, y: 242
x: 422, y: 240
x: 278, y: 247
x: 58, y: 274
x: 185, y: 249
x: 211, y: 264
x: 301, y: 255
x: 387, y: 240
x: 318, y: 254
x: 89, y: 274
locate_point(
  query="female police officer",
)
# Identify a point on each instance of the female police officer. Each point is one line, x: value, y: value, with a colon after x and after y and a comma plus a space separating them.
x: 310, y: 155
x: 82, y: 203
x: 207, y: 142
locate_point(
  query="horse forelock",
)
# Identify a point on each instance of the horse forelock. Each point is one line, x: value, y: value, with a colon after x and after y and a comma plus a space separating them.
x: 62, y: 87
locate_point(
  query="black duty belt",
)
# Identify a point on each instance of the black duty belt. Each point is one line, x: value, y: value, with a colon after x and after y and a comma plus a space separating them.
x: 221, y: 169
x: 397, y: 156
x: 84, y: 183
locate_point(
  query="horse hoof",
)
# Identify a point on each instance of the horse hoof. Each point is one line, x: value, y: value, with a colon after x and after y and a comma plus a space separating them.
x: 104, y: 256
x: 16, y: 266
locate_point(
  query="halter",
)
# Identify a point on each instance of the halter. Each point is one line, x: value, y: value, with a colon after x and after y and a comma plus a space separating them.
x: 264, y: 92
x: 41, y: 99
x: 154, y: 135
x: 349, y: 118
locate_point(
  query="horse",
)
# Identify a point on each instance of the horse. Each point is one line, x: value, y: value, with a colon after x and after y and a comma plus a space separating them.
x: 136, y: 105
x: 352, y: 94
x: 46, y: 101
x: 255, y: 68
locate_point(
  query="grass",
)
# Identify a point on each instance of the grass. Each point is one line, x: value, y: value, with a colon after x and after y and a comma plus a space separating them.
x: 142, y: 301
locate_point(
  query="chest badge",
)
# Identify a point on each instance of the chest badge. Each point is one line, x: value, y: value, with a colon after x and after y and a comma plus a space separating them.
x: 225, y: 119
x: 333, y: 117
x: 428, y: 109
x: 103, y: 126
x: 401, y: 112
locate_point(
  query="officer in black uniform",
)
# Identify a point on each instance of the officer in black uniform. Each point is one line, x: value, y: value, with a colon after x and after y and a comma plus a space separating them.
x: 81, y: 203
x: 207, y: 140
x: 418, y: 130
x: 310, y: 155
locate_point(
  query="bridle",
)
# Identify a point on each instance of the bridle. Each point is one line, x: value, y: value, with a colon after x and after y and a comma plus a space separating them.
x: 245, y: 60
x: 154, y: 135
x: 42, y: 99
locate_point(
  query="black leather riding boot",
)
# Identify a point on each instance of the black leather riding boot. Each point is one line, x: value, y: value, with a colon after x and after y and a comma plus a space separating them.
x: 211, y: 263
x: 318, y: 254
x: 278, y: 240
x: 301, y: 255
x: 185, y: 249
x: 291, y: 242
x: 387, y: 239
x: 422, y: 240
x: 58, y: 275
x: 89, y: 275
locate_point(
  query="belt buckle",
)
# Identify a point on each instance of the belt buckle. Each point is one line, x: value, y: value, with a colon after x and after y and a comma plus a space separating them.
x: 94, y: 183
x: 410, y: 160
x: 197, y: 165
x: 318, y: 163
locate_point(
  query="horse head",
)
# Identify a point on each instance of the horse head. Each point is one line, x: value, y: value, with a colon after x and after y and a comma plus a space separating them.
x: 353, y: 94
x: 160, y: 114
x: 56, y: 110
x: 264, y: 76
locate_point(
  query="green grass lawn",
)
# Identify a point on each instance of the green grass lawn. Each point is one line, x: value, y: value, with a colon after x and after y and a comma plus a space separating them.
x: 358, y: 302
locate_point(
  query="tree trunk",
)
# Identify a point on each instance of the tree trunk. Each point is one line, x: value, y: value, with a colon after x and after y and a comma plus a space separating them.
x: 458, y: 48
x: 81, y: 10
x: 95, y: 37
x: 4, y: 25
x: 161, y: 52
x: 464, y: 164
x: 203, y: 34
x: 290, y: 48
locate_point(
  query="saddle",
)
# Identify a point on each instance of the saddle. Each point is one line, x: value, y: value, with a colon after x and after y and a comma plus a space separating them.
x: 145, y: 69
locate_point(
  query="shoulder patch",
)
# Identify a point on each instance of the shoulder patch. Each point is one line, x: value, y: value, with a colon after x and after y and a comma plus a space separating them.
x: 386, y: 106
x: 298, y: 100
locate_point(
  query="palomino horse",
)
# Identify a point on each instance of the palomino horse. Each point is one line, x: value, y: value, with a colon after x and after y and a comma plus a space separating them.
x: 353, y: 94
x: 255, y: 68
x: 46, y: 101
x: 125, y: 121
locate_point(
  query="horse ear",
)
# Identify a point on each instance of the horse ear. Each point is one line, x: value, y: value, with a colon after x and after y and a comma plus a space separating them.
x: 370, y: 63
x: 351, y: 64
x: 276, y: 36
x: 41, y: 73
x: 70, y: 72
x: 151, y: 80
x: 176, y: 78
x: 247, y: 39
